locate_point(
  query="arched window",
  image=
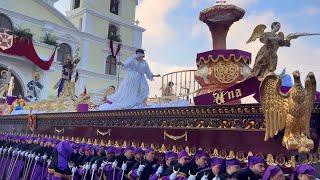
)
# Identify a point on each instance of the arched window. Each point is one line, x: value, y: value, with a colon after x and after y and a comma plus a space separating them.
x: 114, y: 6
x: 113, y: 33
x: 76, y: 4
x: 111, y: 65
x: 5, y: 23
x: 63, y: 50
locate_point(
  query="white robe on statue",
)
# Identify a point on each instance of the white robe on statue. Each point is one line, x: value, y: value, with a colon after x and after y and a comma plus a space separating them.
x: 133, y: 89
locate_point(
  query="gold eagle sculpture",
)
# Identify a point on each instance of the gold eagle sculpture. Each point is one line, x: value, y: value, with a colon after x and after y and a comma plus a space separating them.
x: 290, y: 111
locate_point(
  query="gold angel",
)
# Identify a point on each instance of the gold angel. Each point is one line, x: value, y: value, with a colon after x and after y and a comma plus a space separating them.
x: 267, y: 59
x: 290, y: 111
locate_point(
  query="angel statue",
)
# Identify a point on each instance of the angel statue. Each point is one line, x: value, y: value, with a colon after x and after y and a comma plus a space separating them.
x: 4, y: 82
x: 290, y: 111
x: 34, y: 88
x: 267, y: 59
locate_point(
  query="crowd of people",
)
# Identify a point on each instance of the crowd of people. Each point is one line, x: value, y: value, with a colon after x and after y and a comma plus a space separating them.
x: 35, y: 158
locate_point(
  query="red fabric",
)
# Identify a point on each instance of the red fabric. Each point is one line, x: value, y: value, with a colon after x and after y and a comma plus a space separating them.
x: 24, y: 47
x: 111, y: 48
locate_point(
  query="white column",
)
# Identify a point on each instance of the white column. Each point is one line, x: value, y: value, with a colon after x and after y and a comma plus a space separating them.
x: 137, y: 39
x: 80, y: 84
x: 86, y: 23
x: 45, y: 82
x: 84, y: 63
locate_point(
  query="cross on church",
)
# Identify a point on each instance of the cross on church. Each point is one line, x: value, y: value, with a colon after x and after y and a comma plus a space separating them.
x: 221, y: 2
x: 137, y: 22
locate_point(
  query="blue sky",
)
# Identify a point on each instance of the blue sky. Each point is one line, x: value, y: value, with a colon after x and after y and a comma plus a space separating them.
x: 175, y: 35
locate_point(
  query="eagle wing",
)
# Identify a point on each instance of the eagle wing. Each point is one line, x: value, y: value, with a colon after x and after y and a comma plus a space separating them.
x: 274, y: 105
x: 310, y: 91
x: 257, y: 33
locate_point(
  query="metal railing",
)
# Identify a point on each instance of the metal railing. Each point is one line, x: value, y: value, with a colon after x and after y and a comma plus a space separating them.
x: 184, y: 83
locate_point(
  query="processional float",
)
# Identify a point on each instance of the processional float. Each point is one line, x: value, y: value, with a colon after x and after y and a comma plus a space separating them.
x: 283, y: 127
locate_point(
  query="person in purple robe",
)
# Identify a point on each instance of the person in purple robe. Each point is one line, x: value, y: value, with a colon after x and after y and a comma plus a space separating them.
x: 254, y: 171
x: 110, y: 154
x: 87, y: 156
x: 183, y: 159
x: 138, y: 154
x: 217, y: 167
x: 166, y: 167
x: 304, y: 172
x: 145, y: 168
x: 232, y: 166
x: 273, y: 173
x: 199, y: 163
x: 59, y: 168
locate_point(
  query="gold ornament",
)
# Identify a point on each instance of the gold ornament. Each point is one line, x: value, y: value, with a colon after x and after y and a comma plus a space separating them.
x: 226, y: 71
x: 290, y: 111
x: 270, y: 160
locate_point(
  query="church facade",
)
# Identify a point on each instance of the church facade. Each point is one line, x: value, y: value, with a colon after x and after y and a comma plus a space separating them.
x: 88, y: 25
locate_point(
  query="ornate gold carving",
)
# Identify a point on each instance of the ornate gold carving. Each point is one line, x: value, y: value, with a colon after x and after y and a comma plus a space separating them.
x: 163, y: 148
x: 187, y: 149
x: 143, y: 146
x: 59, y: 130
x: 226, y: 71
x: 292, y: 162
x: 102, y: 143
x: 232, y: 57
x: 104, y: 133
x: 231, y: 155
x: 240, y: 156
x: 215, y: 152
x: 223, y: 154
x: 174, y: 148
x: 185, y: 136
x: 109, y: 142
x: 78, y: 140
x: 247, y: 158
x: 153, y: 147
x: 270, y: 160
x: 116, y: 144
x: 281, y: 159
x: 291, y: 111
x: 124, y: 144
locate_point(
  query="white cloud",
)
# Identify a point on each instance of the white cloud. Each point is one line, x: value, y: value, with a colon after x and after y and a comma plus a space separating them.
x: 311, y: 11
x: 242, y: 3
x: 195, y: 3
x: 199, y: 29
x: 152, y: 16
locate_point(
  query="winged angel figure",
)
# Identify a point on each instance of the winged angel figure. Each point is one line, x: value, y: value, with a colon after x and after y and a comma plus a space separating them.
x: 290, y: 111
x: 267, y: 59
